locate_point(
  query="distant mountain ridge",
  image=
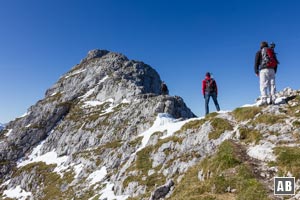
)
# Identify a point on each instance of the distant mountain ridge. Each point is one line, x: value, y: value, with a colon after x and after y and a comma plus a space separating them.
x: 1, y: 126
x: 105, y: 131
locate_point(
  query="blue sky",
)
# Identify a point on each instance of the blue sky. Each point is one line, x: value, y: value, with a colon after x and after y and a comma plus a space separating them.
x: 41, y: 40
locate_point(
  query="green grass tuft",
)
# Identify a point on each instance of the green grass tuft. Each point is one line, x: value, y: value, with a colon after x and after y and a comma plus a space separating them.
x: 219, y: 126
x: 222, y: 170
x: 245, y: 113
x: 269, y: 119
x: 288, y: 160
x: 194, y: 124
x: 249, y: 135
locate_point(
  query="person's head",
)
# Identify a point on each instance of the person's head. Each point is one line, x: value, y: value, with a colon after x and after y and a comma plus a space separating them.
x: 207, y: 75
x: 272, y: 45
x: 263, y: 44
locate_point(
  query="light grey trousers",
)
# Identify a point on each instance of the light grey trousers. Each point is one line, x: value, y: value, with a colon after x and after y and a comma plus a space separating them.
x: 267, y: 84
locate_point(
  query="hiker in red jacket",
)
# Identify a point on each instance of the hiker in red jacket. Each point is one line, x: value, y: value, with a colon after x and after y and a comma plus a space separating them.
x: 210, y: 89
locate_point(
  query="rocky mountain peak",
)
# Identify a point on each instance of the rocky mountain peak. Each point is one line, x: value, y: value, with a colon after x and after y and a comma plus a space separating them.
x: 107, y: 100
x: 112, y: 73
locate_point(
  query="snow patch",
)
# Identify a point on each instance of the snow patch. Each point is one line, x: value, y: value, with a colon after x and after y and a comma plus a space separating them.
x: 53, y: 94
x: 96, y: 103
x: 77, y: 169
x: 125, y: 101
x: 88, y: 93
x: 163, y: 122
x: 5, y: 183
x: 9, y: 132
x: 102, y: 80
x: 108, y: 193
x: 75, y: 73
x: 97, y: 176
x: 48, y: 158
x: 92, y: 103
x: 24, y: 115
x: 17, y: 193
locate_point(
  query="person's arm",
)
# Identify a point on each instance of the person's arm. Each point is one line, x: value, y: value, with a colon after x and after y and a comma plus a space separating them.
x: 257, y: 62
x: 203, y: 87
x: 216, y: 88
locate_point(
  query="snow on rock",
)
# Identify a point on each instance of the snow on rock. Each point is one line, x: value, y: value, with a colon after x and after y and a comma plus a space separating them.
x: 108, y: 193
x: 125, y: 101
x: 92, y: 103
x: 24, y: 115
x: 103, y: 79
x: 75, y: 73
x: 53, y: 94
x: 77, y: 169
x: 96, y: 103
x: 97, y: 176
x: 48, y: 158
x: 17, y: 193
x: 163, y: 122
x: 9, y: 132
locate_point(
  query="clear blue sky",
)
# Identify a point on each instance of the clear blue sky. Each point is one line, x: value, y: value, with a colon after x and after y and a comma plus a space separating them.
x: 41, y: 40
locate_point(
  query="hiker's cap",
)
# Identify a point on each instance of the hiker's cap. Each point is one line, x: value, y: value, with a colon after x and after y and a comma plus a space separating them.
x: 207, y: 74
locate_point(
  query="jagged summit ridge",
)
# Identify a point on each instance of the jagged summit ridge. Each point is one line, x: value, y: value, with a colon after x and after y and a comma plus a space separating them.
x: 95, y: 53
x: 126, y: 77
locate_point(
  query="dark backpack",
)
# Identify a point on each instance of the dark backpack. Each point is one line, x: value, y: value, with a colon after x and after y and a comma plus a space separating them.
x: 210, y: 86
x: 268, y: 57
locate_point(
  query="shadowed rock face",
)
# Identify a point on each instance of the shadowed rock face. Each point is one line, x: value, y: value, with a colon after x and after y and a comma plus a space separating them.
x: 105, y: 98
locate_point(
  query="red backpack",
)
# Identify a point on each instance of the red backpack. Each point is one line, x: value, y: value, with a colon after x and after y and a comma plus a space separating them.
x: 268, y: 57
